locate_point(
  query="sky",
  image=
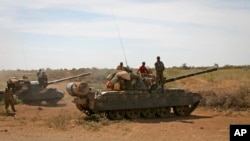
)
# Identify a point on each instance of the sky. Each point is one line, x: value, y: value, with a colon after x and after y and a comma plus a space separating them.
x: 102, y: 33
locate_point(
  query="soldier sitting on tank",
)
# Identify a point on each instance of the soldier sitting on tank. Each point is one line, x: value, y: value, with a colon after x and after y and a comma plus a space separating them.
x: 120, y: 67
x: 143, y: 71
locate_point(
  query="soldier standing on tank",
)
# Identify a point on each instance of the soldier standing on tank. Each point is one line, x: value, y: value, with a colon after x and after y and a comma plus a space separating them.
x: 9, y: 100
x: 159, y: 67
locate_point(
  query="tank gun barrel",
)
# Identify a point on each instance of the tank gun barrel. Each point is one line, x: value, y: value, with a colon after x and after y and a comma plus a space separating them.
x: 68, y: 78
x: 191, y: 74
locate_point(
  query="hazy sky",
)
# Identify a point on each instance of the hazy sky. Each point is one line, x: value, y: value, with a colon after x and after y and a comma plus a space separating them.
x: 101, y: 33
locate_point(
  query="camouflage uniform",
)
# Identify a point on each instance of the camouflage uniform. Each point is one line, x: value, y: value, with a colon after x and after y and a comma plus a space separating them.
x: 39, y: 74
x: 43, y: 80
x: 159, y: 67
x: 9, y: 99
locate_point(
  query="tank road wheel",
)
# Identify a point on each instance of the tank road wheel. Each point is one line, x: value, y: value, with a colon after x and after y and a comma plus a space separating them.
x: 133, y: 114
x: 116, y: 115
x: 149, y: 113
x: 32, y: 102
x: 163, y: 112
x: 182, y: 110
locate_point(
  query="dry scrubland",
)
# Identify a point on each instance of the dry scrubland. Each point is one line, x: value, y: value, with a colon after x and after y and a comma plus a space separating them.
x: 229, y: 87
x: 226, y: 100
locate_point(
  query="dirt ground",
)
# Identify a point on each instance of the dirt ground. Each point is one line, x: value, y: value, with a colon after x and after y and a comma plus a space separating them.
x: 64, y: 122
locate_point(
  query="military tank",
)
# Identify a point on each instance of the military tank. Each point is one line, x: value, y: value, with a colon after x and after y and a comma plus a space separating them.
x: 142, y: 98
x: 32, y: 93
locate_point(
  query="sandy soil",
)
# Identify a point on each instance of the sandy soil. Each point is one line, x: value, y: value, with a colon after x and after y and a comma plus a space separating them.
x: 64, y: 122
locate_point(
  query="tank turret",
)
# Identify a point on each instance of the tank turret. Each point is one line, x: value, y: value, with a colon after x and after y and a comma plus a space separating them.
x: 140, y: 99
x: 32, y: 92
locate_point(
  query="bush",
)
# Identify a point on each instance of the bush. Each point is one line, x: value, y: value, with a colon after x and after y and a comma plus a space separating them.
x: 238, y: 100
x: 93, y: 122
x: 59, y: 122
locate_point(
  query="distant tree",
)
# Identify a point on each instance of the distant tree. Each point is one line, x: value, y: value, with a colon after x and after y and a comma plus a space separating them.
x: 184, y: 66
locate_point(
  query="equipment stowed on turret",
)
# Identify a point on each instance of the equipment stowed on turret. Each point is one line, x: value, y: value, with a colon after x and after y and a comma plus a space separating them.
x: 134, y: 102
x: 30, y: 92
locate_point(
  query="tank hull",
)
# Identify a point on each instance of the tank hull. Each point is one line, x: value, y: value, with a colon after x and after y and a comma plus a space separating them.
x: 36, y: 95
x: 116, y: 102
x: 139, y: 100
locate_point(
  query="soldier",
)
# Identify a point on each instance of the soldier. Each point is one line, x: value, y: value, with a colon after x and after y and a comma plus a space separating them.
x: 39, y: 77
x: 143, y: 70
x: 120, y: 67
x: 44, y: 80
x: 39, y: 74
x: 9, y: 99
x: 159, y: 67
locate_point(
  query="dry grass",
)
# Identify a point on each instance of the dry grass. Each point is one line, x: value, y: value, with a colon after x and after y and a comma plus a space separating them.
x: 93, y: 122
x: 2, y: 110
x: 226, y: 88
x: 60, y: 121
x: 239, y: 99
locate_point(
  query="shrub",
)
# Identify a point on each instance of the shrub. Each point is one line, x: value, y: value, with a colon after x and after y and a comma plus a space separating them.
x: 93, y: 122
x: 59, y: 122
x: 238, y: 100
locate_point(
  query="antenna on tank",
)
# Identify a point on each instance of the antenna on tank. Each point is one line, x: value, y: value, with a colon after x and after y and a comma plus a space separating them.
x: 24, y: 57
x: 118, y: 31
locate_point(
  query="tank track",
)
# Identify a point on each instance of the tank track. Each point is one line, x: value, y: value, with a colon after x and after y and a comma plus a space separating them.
x: 163, y: 112
x: 49, y: 102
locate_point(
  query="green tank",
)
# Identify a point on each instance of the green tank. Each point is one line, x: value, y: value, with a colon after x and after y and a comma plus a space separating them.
x: 32, y: 93
x: 138, y: 97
